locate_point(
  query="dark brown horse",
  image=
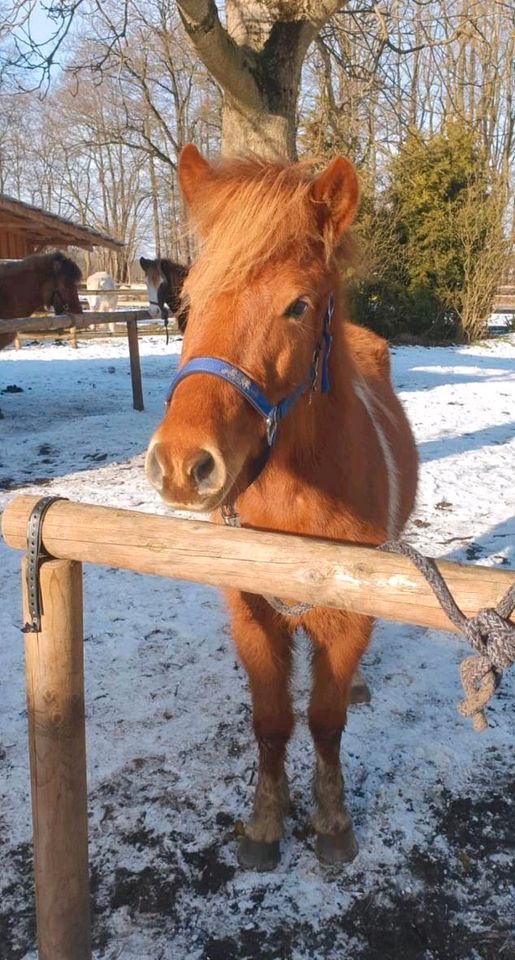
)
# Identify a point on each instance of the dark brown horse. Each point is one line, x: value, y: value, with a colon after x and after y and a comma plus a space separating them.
x: 38, y: 282
x: 165, y: 279
x: 284, y: 412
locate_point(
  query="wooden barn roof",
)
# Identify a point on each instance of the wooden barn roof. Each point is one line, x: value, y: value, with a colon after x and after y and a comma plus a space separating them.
x: 42, y: 228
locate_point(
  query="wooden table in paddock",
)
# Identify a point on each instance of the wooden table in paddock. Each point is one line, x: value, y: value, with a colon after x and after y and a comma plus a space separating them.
x: 81, y: 321
x: 321, y: 572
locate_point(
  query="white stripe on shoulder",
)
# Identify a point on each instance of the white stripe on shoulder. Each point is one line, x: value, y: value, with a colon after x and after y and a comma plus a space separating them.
x: 372, y: 404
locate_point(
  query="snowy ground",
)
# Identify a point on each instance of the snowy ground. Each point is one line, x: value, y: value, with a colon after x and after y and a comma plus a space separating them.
x: 170, y: 754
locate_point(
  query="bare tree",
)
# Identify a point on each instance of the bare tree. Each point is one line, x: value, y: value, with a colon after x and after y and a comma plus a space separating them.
x: 257, y: 60
x: 147, y: 76
x: 256, y: 57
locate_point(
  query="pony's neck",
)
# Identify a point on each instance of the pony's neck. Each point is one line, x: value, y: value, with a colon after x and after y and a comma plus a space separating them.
x: 29, y: 301
x: 20, y: 302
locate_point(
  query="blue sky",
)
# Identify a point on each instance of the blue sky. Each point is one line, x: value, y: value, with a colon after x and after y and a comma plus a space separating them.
x: 41, y: 27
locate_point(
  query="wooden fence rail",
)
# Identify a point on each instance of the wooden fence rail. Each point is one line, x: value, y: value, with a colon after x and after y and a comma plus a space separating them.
x: 63, y: 320
x: 298, y: 568
x: 319, y: 571
x: 128, y: 293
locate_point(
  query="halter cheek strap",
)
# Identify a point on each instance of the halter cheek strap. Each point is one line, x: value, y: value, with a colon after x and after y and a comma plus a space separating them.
x: 248, y: 388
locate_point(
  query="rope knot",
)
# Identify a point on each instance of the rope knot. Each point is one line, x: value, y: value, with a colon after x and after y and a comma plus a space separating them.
x: 479, y: 681
x: 490, y: 633
x: 493, y: 636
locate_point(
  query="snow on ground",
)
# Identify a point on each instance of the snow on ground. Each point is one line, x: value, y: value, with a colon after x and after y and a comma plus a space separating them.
x: 170, y: 753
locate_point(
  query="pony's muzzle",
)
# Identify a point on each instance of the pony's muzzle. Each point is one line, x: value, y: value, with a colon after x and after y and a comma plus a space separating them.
x: 196, y: 479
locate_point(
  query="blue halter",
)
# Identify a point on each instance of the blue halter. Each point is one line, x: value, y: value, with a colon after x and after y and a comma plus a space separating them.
x: 249, y: 389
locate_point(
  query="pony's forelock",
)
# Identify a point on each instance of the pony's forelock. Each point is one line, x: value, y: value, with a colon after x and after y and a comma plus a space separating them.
x: 69, y: 269
x: 249, y: 212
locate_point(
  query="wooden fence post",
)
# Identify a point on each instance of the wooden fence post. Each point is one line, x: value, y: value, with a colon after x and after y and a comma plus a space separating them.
x: 55, y: 702
x: 137, y: 389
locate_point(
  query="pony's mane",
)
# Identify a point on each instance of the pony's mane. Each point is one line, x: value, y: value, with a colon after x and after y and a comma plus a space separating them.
x: 33, y: 263
x: 67, y: 267
x: 248, y: 212
x: 41, y: 262
x: 171, y: 263
x: 174, y: 271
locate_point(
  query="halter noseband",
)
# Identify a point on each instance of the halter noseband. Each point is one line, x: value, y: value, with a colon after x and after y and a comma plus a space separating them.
x: 248, y: 388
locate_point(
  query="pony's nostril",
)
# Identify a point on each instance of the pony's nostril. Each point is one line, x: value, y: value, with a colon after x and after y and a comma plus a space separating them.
x: 154, y: 467
x: 202, y: 470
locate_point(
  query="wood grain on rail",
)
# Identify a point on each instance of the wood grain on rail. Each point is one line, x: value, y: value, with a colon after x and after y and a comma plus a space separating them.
x: 322, y: 572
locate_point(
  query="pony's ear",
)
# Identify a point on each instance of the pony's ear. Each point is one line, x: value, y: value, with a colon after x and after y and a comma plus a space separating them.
x: 337, y: 192
x: 193, y: 171
x: 144, y: 263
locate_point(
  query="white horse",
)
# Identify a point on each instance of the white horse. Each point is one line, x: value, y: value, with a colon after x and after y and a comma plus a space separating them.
x: 107, y: 299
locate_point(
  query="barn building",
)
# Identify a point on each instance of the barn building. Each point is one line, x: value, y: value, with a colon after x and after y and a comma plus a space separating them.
x: 25, y: 229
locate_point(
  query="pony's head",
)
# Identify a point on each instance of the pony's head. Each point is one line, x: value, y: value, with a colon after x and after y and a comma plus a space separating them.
x: 60, y: 284
x: 258, y: 293
x: 154, y: 277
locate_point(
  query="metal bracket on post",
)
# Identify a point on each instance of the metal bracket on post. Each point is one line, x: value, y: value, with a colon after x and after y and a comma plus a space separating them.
x: 35, y: 554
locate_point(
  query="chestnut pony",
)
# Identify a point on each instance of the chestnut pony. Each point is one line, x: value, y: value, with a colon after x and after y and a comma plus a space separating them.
x: 39, y: 281
x: 342, y: 464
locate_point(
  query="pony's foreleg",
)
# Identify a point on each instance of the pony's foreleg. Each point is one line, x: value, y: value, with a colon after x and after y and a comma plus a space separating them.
x: 339, y: 639
x: 359, y: 689
x: 264, y: 645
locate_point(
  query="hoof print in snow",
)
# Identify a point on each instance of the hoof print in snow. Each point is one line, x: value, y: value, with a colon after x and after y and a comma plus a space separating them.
x: 208, y: 873
x: 151, y: 890
x: 474, y: 551
x: 96, y: 457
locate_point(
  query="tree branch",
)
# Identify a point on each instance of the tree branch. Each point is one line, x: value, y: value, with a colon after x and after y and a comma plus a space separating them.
x: 314, y: 12
x: 232, y: 66
x: 311, y: 14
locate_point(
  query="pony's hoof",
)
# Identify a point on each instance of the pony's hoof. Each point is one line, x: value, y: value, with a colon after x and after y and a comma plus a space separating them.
x: 360, y: 692
x: 258, y: 855
x: 334, y: 848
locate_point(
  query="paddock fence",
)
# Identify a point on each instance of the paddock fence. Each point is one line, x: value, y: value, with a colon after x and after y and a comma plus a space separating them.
x: 74, y: 322
x: 321, y: 572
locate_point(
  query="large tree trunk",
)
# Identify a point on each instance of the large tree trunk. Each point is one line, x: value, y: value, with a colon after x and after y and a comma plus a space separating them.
x: 257, y: 60
x: 257, y: 131
x: 265, y: 124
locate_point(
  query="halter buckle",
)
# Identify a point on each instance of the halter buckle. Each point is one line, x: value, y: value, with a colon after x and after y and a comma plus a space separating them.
x: 271, y: 422
x: 229, y: 515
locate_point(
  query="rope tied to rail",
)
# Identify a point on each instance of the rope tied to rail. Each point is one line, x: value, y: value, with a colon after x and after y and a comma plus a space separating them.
x: 490, y: 633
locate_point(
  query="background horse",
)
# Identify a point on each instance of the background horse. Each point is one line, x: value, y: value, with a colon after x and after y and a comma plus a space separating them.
x: 102, y: 281
x: 323, y: 448
x: 106, y: 298
x: 38, y: 283
x: 165, y: 280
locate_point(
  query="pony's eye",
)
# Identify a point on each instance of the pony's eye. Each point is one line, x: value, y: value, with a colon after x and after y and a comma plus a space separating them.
x: 296, y: 309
